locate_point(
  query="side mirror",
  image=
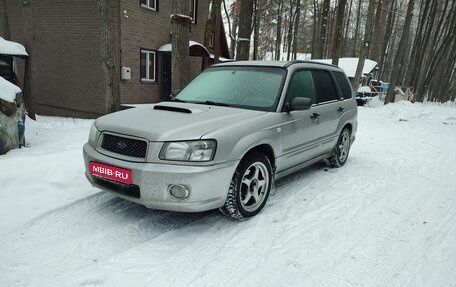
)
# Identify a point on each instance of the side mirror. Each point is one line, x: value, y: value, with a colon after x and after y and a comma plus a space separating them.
x: 298, y: 104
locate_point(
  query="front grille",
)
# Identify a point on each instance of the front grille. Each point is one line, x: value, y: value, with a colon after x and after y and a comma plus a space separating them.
x: 124, y: 146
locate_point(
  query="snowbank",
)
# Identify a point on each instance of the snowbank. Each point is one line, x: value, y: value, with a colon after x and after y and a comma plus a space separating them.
x: 349, y: 65
x: 8, y: 90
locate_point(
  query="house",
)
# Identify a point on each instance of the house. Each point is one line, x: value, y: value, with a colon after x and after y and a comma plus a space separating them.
x: 69, y: 79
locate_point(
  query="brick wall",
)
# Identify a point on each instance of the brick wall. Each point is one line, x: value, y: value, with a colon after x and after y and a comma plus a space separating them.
x: 69, y: 76
x: 150, y: 30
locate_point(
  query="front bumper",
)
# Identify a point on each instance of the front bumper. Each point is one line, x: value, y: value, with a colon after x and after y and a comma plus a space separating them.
x: 208, y: 184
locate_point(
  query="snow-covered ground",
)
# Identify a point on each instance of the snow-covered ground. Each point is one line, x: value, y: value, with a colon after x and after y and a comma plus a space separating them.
x: 387, y: 218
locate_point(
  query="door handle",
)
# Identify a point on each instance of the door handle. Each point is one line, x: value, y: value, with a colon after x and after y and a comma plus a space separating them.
x: 340, y: 109
x: 315, y: 116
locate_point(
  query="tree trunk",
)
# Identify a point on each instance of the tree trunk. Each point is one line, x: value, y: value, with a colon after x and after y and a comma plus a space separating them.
x: 218, y: 21
x: 236, y: 7
x: 335, y: 50
x: 29, y: 73
x: 399, y: 58
x: 278, y: 45
x: 316, y: 46
x: 417, y: 48
x: 296, y: 25
x: 388, y: 31
x: 356, y: 35
x: 245, y: 30
x: 347, y: 24
x: 5, y: 22
x: 290, y: 29
x: 109, y: 56
x: 323, y: 27
x: 180, y: 59
x: 256, y: 30
x: 366, y: 43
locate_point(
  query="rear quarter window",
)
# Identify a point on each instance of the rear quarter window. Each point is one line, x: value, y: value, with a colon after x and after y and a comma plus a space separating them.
x: 343, y: 84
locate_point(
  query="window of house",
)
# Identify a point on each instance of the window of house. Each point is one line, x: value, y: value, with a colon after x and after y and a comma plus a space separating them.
x: 148, y: 67
x: 149, y: 4
x: 193, y: 10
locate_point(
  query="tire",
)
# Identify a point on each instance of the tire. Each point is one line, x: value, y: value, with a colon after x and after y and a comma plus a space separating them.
x: 340, y: 151
x: 250, y: 187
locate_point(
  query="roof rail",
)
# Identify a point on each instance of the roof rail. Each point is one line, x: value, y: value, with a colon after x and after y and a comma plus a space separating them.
x: 306, y: 62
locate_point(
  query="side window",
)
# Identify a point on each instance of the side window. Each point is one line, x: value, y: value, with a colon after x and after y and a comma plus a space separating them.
x: 301, y: 85
x: 324, y: 86
x: 343, y: 84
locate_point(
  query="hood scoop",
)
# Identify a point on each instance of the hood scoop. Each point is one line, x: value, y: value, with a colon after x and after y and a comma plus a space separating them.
x: 172, y: 109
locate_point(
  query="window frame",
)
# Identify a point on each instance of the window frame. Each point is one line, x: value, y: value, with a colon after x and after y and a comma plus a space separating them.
x: 148, y: 52
x: 194, y: 11
x: 148, y: 5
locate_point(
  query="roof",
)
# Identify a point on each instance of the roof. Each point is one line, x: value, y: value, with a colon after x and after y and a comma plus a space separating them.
x: 12, y: 48
x: 196, y: 49
x: 349, y: 65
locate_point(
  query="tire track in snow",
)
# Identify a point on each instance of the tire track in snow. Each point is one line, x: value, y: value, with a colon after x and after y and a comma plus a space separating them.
x: 81, y: 234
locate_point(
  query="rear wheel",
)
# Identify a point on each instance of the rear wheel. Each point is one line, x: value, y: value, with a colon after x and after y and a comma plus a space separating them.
x: 340, y: 151
x: 250, y: 187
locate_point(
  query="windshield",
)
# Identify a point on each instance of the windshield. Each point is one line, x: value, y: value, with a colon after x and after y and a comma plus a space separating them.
x: 256, y: 88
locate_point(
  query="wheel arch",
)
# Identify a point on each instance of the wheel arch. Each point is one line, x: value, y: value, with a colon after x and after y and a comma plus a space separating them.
x: 265, y: 149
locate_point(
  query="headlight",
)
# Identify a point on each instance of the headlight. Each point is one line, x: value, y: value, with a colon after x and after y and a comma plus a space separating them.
x: 93, y: 135
x: 203, y: 150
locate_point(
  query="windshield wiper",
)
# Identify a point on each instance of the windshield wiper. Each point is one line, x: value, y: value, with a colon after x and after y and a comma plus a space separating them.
x: 212, y: 103
x: 177, y: 100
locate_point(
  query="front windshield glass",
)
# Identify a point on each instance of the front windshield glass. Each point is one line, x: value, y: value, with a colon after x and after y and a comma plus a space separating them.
x: 256, y: 88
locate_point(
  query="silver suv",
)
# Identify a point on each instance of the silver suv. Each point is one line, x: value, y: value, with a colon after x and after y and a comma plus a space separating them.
x: 224, y: 139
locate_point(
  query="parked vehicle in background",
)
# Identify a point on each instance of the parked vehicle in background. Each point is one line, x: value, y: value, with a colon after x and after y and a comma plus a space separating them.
x: 12, y: 116
x: 224, y: 139
x: 7, y: 72
x: 12, y: 108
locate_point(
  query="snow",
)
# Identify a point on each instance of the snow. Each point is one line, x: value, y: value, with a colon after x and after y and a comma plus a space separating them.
x: 8, y: 90
x: 386, y: 218
x: 11, y: 48
x: 349, y: 65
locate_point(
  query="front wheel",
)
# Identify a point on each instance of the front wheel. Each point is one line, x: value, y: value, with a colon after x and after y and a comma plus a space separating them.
x: 250, y: 187
x: 340, y: 151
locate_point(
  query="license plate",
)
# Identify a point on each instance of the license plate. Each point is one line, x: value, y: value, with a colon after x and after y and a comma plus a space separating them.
x: 111, y: 172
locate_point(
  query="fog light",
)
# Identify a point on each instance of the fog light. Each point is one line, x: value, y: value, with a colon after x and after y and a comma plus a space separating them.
x: 179, y: 191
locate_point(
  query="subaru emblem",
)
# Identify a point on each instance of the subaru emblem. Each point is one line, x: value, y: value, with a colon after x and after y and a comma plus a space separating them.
x: 121, y: 145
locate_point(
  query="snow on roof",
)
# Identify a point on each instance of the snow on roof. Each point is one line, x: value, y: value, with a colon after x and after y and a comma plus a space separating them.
x: 8, y: 90
x: 11, y: 48
x: 168, y: 47
x: 349, y: 65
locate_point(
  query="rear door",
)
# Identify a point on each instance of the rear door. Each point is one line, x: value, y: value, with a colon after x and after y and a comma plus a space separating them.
x: 329, y: 108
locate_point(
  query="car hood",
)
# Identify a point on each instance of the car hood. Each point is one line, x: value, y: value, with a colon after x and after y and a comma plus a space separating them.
x: 170, y: 121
